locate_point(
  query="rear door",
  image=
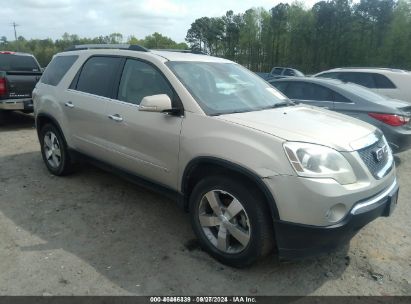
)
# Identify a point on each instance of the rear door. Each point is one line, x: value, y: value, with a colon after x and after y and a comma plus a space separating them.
x: 85, y: 104
x: 143, y: 143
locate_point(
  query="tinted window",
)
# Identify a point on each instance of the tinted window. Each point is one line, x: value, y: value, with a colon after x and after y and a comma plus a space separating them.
x: 97, y: 76
x: 382, y: 82
x: 329, y: 75
x: 282, y: 86
x: 139, y: 80
x: 308, y: 91
x: 56, y: 69
x: 276, y: 71
x: 364, y: 79
x: 10, y: 62
x: 289, y: 72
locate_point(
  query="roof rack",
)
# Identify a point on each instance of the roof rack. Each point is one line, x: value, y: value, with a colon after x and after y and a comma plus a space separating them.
x: 181, y: 51
x: 130, y: 47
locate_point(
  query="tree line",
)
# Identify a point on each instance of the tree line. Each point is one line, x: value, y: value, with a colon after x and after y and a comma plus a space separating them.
x: 44, y: 49
x: 331, y: 34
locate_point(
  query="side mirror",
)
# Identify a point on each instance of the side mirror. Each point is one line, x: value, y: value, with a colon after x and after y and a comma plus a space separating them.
x: 158, y: 103
x: 155, y: 103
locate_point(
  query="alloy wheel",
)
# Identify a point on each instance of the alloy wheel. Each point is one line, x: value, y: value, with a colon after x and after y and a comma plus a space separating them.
x: 52, y: 150
x: 224, y: 221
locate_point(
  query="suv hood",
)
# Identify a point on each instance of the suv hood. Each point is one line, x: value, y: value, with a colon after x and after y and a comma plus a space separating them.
x: 305, y: 124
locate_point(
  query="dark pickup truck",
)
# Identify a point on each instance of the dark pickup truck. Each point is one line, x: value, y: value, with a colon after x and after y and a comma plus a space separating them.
x: 19, y: 73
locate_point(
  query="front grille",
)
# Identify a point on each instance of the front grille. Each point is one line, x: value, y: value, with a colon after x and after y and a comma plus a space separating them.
x: 368, y: 155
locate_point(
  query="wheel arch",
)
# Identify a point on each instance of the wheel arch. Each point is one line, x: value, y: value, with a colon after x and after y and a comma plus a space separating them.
x: 42, y: 119
x: 194, y: 172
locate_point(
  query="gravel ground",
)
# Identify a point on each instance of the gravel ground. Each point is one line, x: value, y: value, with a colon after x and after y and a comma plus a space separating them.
x: 93, y: 233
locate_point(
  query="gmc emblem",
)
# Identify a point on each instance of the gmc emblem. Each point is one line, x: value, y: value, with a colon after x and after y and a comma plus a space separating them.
x: 380, y: 153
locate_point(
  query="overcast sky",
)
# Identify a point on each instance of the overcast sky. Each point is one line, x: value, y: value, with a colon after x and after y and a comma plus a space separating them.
x: 90, y: 18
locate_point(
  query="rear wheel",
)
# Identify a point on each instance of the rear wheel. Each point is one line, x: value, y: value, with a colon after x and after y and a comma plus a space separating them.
x: 231, y: 221
x: 54, y: 151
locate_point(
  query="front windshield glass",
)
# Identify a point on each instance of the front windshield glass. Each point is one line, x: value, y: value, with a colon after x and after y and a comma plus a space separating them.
x: 223, y: 88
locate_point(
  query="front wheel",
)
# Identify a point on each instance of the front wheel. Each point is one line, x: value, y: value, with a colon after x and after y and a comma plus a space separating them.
x: 231, y: 221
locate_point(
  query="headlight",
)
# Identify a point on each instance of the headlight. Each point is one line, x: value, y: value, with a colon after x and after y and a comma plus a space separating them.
x: 311, y: 160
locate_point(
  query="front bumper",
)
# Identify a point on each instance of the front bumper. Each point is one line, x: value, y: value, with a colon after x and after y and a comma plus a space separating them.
x: 17, y: 104
x: 297, y: 240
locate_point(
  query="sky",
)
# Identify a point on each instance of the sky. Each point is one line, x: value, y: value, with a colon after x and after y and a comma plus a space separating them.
x: 91, y: 18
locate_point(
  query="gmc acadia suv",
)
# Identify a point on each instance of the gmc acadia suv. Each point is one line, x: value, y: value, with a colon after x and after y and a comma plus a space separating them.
x: 255, y: 171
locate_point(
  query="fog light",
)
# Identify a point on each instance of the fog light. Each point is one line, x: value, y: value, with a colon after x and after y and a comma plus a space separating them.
x: 336, y: 213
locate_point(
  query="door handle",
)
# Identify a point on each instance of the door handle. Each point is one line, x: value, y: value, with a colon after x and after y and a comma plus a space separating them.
x: 69, y: 104
x: 116, y: 117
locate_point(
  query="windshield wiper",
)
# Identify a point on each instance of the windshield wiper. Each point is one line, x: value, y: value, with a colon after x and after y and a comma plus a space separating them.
x: 274, y: 106
x: 280, y: 105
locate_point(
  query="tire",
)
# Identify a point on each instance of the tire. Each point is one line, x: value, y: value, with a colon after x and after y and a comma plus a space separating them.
x: 54, y: 151
x: 237, y: 240
x: 3, y: 117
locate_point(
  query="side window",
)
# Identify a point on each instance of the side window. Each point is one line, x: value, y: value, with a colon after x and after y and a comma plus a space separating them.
x: 97, y: 76
x: 277, y: 71
x: 308, y: 91
x: 329, y: 75
x: 320, y: 93
x: 57, y: 68
x: 364, y: 79
x: 281, y: 86
x: 382, y: 82
x: 289, y: 72
x: 139, y: 80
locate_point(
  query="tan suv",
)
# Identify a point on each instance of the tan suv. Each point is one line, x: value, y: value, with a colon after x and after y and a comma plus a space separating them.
x: 255, y: 171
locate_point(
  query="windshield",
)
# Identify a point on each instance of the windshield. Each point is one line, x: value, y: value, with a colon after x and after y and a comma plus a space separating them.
x: 223, y: 88
x: 9, y: 62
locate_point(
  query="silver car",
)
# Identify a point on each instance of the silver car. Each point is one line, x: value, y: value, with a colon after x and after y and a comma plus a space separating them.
x: 255, y: 171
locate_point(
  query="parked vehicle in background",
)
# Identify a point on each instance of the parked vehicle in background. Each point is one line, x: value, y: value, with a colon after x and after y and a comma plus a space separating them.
x: 279, y: 72
x: 392, y: 83
x: 19, y: 73
x: 389, y: 115
x: 254, y: 170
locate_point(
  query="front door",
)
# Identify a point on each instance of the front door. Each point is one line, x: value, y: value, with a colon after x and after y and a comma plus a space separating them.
x: 143, y: 143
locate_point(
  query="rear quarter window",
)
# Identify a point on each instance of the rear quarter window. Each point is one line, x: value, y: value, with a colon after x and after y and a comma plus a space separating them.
x: 383, y: 82
x: 57, y: 68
